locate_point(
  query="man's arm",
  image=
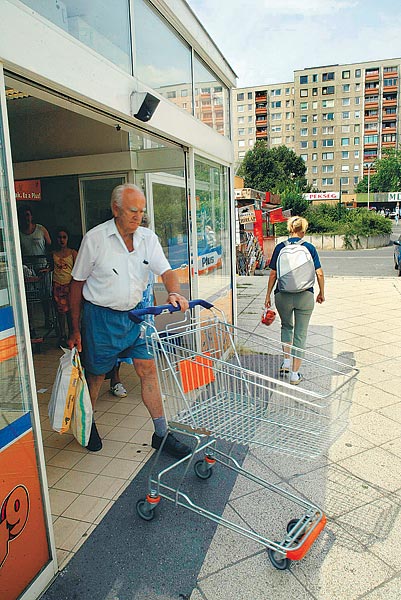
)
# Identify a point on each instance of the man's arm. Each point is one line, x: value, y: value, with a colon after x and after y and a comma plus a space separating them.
x: 172, y: 285
x: 75, y: 311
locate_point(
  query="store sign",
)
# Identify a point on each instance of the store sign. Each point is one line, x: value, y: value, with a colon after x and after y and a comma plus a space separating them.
x: 322, y: 196
x: 394, y: 197
x: 14, y: 513
x: 28, y: 190
x: 246, y: 214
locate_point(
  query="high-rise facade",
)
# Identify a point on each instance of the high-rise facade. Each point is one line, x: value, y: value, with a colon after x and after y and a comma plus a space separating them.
x: 338, y: 118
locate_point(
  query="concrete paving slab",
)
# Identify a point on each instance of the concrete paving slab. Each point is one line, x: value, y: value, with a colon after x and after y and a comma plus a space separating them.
x: 376, y: 466
x: 374, y: 427
x: 389, y: 590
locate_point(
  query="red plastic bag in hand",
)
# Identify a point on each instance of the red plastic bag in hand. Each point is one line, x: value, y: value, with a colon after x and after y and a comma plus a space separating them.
x: 268, y: 316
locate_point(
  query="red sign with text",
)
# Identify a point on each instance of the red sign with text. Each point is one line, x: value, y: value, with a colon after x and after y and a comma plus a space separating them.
x: 28, y: 190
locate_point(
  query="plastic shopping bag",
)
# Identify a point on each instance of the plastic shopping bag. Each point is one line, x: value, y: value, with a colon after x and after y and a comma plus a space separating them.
x: 64, y: 391
x: 81, y: 423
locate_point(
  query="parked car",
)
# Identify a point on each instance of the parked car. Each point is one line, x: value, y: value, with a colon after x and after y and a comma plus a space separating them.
x: 397, y: 255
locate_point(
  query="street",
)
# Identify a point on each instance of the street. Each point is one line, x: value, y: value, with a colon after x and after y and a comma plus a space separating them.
x: 361, y: 263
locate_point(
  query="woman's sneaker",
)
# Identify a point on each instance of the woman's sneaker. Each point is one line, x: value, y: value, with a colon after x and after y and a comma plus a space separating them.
x: 296, y: 378
x: 118, y: 390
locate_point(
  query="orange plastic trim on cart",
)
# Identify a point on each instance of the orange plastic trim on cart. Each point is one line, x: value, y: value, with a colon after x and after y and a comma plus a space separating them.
x: 300, y: 552
x: 152, y: 499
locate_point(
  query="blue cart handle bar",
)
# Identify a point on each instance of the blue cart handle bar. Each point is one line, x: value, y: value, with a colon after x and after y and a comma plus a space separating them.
x: 137, y: 314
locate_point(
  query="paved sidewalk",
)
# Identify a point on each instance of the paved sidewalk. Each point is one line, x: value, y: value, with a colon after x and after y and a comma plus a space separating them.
x: 358, y: 483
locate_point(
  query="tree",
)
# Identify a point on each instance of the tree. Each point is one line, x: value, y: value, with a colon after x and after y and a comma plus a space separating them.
x: 273, y: 170
x: 388, y: 174
x: 294, y: 201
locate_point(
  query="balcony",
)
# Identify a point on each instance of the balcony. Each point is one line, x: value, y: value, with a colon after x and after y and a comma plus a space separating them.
x: 369, y: 158
x: 261, y: 122
x: 390, y: 88
x: 387, y: 74
x: 389, y: 129
x: 372, y: 146
x: 391, y: 117
x: 261, y: 135
x: 261, y: 111
x: 388, y: 144
x: 372, y: 75
x: 370, y: 118
x: 261, y: 98
x: 371, y: 104
x: 388, y: 103
x: 373, y: 90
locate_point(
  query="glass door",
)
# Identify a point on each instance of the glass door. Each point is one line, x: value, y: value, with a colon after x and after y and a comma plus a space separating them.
x: 95, y: 193
x: 27, y: 561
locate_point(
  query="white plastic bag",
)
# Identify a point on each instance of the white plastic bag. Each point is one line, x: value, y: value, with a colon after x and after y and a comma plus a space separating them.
x: 64, y: 391
x: 82, y: 414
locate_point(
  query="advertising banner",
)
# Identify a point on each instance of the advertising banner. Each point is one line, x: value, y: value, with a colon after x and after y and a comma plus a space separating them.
x: 28, y: 190
x: 23, y: 541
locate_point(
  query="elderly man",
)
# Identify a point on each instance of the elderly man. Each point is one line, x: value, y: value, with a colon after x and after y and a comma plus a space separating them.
x: 109, y: 276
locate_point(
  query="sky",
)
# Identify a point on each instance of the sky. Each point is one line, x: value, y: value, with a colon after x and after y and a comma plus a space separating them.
x: 264, y: 41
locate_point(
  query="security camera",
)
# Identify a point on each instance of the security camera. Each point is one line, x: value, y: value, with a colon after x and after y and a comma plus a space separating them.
x: 147, y: 105
x: 118, y: 127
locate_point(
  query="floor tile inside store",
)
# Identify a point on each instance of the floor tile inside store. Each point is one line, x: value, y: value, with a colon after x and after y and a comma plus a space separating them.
x: 83, y: 485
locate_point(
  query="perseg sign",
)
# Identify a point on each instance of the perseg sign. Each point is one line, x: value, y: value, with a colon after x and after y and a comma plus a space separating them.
x: 322, y: 196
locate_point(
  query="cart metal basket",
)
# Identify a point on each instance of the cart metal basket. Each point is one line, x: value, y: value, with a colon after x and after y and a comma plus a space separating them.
x: 38, y: 278
x: 221, y: 382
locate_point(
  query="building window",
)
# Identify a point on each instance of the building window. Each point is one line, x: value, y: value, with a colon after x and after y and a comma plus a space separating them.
x: 314, y: 170
x: 357, y: 114
x: 345, y: 168
x: 303, y: 79
x: 356, y: 179
x: 304, y: 131
x: 344, y: 180
x: 304, y: 118
x: 314, y: 130
x: 346, y: 74
x: 277, y: 141
x: 328, y: 129
x: 328, y: 116
x: 172, y: 94
x: 356, y: 167
x: 303, y: 93
x: 276, y: 117
x: 345, y: 128
x: 345, y: 101
x: 391, y: 82
x: 356, y: 153
x: 314, y: 104
x: 390, y: 69
x: 357, y: 72
x: 240, y: 97
x: 304, y: 106
x: 241, y: 131
x: 357, y: 87
x: 345, y: 114
x: 344, y: 141
x: 328, y: 156
x: 288, y: 115
x: 328, y: 169
x: 276, y: 104
x: 314, y: 91
x: 327, y: 142
x: 276, y: 128
x: 250, y: 119
x: 314, y: 156
x: 287, y: 91
x: 346, y: 87
x: 315, y: 78
x: 249, y: 95
x: 250, y: 107
x: 241, y: 107
x: 241, y: 154
x: 327, y: 181
x: 345, y: 154
x: 250, y: 142
x: 370, y: 139
x: 314, y: 118
x: 240, y: 120
x: 328, y: 76
x: 250, y: 130
x: 304, y: 157
x: 357, y: 100
x: 241, y: 143
x: 304, y: 145
x: 328, y: 90
x: 327, y: 103
x: 357, y: 141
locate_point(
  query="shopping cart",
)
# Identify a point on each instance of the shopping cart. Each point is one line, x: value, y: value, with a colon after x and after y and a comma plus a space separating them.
x: 38, y: 277
x: 220, y: 382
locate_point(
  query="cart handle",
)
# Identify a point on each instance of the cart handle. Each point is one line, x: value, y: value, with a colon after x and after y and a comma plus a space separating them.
x: 137, y: 314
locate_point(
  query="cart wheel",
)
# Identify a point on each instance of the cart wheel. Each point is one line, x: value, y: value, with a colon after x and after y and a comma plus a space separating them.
x: 278, y: 563
x: 201, y: 470
x: 144, y: 510
x: 291, y: 524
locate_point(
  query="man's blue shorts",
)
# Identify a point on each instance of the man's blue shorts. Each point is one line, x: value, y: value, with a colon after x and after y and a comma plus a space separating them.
x: 109, y: 334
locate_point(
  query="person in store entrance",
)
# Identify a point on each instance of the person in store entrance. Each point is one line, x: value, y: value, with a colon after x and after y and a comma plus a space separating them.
x: 110, y: 275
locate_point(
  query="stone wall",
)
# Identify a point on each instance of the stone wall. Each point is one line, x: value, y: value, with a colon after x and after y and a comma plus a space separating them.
x: 337, y: 242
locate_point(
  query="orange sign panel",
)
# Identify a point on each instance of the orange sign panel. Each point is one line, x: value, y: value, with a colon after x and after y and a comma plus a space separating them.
x: 23, y: 541
x: 28, y: 190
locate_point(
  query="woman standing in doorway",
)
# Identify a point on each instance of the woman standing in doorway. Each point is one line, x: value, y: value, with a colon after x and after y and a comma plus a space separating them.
x: 64, y: 259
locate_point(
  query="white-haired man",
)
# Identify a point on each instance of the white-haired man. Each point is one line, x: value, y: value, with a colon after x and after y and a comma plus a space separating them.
x: 109, y: 276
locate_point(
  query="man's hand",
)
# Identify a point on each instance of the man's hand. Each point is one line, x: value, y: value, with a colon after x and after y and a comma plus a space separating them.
x: 176, y: 299
x: 74, y: 341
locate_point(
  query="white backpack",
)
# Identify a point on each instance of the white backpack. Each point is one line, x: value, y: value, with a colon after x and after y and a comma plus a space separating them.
x: 295, y: 268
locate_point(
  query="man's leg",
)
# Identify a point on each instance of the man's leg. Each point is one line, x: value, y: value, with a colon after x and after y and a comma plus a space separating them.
x: 151, y: 397
x: 94, y: 385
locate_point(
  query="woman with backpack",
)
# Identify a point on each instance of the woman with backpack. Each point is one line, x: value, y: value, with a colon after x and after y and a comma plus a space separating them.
x: 293, y: 265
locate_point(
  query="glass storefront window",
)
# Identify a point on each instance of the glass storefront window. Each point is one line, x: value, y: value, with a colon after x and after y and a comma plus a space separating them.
x: 24, y: 547
x: 162, y: 59
x: 103, y: 26
x: 213, y: 234
x: 211, y: 99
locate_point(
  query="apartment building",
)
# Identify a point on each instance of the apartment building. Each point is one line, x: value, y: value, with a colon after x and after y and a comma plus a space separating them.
x: 263, y: 113
x: 343, y: 117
